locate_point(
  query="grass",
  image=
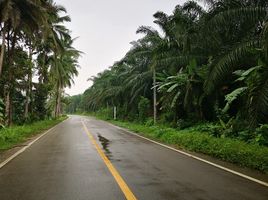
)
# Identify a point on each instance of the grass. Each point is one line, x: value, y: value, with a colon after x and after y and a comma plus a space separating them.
x: 15, y: 135
x: 232, y: 150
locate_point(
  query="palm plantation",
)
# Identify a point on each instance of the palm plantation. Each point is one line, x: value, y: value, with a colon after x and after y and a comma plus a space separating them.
x: 206, y: 65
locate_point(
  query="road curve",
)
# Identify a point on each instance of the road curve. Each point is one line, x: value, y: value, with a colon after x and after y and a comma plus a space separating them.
x: 66, y: 164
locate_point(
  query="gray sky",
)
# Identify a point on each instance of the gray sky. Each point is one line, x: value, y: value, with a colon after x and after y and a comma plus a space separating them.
x: 105, y: 28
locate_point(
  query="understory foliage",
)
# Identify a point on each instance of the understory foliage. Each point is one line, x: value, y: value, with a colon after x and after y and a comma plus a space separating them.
x: 211, y: 65
x: 37, y: 60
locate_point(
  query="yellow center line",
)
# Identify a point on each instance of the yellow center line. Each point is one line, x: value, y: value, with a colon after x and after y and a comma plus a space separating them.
x: 120, y: 181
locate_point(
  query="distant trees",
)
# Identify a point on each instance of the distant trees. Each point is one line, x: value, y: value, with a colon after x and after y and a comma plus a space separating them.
x: 34, y: 41
x: 210, y: 64
x: 74, y: 104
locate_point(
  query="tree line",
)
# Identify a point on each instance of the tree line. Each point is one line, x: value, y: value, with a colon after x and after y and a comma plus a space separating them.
x: 206, y: 63
x: 37, y: 60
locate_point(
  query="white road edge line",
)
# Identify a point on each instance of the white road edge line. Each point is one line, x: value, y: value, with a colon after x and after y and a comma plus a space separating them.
x: 195, y: 157
x: 27, y: 146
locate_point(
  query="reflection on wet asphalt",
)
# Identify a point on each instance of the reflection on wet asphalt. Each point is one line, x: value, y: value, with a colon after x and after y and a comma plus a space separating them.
x: 105, y: 145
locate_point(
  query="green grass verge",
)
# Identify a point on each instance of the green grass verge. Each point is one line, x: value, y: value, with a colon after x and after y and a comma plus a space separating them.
x: 235, y: 151
x: 14, y: 135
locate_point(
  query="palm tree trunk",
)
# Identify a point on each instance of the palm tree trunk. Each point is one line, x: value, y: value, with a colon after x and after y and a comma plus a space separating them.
x: 154, y: 91
x: 2, y: 49
x: 26, y: 109
x: 58, y: 101
x: 7, y: 108
x: 29, y: 88
x: 56, y: 104
x: 10, y: 85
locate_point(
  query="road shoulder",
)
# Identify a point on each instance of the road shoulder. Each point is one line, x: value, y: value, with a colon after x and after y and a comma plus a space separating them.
x: 7, y: 155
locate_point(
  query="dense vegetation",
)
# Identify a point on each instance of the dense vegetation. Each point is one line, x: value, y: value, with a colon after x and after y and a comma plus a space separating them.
x: 11, y: 136
x: 207, y: 65
x: 37, y: 60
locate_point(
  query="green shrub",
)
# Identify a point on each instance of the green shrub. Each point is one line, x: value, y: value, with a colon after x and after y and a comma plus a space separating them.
x: 105, y: 113
x: 143, y: 108
x: 209, y: 128
x: 262, y: 135
x: 149, y: 122
x: 182, y: 124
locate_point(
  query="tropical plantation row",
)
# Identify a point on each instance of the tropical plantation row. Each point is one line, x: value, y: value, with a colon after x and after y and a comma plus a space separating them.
x: 37, y: 60
x: 206, y: 65
x: 202, y: 73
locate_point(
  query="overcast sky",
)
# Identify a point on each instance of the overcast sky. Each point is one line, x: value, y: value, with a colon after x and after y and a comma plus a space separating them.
x: 105, y: 28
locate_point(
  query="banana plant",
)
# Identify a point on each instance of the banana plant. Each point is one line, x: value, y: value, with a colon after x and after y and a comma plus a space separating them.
x: 254, y: 88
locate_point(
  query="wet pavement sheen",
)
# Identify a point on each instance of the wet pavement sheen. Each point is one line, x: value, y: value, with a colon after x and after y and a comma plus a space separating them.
x: 64, y: 165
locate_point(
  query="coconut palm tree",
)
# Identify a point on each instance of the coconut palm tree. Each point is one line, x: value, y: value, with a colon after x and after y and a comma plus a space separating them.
x: 18, y: 19
x: 63, y: 69
x: 17, y: 15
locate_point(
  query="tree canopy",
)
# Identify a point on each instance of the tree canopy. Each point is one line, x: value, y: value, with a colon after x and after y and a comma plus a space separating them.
x: 211, y: 64
x: 37, y: 59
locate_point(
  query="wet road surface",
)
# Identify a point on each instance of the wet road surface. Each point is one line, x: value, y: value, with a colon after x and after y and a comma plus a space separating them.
x: 65, y: 165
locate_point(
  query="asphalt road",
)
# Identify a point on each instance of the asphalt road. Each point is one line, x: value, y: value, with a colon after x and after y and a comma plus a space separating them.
x: 65, y: 165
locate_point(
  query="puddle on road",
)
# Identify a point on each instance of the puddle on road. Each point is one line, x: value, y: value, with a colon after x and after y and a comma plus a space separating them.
x: 105, y: 145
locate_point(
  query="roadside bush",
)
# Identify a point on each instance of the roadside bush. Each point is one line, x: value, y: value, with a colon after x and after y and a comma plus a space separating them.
x: 149, y: 122
x: 262, y: 135
x: 105, y: 113
x: 209, y: 128
x: 168, y: 116
x: 182, y: 124
x: 143, y: 108
x: 246, y: 135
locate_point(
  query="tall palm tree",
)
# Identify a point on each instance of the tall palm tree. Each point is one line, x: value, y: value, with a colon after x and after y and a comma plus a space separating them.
x: 152, y: 45
x: 15, y: 14
x: 49, y: 41
x: 63, y: 69
x: 16, y: 17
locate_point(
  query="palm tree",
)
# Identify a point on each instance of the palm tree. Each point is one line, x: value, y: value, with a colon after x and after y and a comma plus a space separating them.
x: 17, y: 15
x: 49, y: 41
x: 152, y: 46
x: 63, y: 69
x: 17, y: 18
x: 246, y: 41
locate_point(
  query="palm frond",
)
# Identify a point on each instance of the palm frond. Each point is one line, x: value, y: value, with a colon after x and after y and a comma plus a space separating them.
x: 226, y: 65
